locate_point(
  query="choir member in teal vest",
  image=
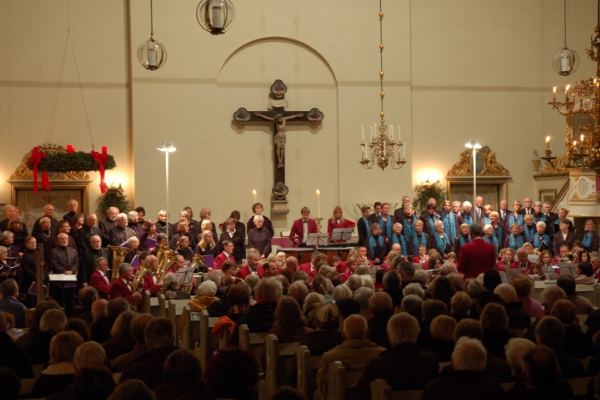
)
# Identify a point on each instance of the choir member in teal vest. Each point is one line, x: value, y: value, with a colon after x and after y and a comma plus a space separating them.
x: 418, y: 238
x: 462, y: 239
x: 516, y: 217
x: 440, y: 241
x: 385, y: 220
x: 538, y: 215
x: 364, y: 225
x: 429, y: 218
x: 408, y: 221
x: 529, y: 229
x: 487, y: 210
x: 515, y: 240
x: 590, y: 240
x: 377, y: 245
x: 499, y: 229
x: 398, y: 237
x: 467, y: 216
x: 541, y: 240
x: 449, y: 219
x: 489, y: 237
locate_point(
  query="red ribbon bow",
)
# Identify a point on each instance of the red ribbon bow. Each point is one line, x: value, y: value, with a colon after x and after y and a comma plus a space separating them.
x: 35, y: 160
x: 101, y: 159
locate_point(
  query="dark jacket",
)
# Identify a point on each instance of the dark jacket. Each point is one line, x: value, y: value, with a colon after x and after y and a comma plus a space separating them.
x: 403, y: 366
x: 259, y: 318
x: 14, y: 358
x: 149, y: 367
x: 463, y: 385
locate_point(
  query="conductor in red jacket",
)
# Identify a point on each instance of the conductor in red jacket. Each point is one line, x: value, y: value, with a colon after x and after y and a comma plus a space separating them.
x: 477, y: 256
x: 302, y: 227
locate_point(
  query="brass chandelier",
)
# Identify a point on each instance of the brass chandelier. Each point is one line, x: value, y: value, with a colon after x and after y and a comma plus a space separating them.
x: 384, y: 149
x: 582, y: 147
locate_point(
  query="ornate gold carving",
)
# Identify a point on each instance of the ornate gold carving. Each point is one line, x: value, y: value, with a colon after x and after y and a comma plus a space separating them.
x: 575, y: 177
x: 23, y: 173
x: 489, y: 167
x: 576, y: 196
x: 591, y: 196
x: 557, y: 167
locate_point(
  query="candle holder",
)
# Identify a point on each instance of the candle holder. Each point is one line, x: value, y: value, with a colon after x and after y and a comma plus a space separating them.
x: 319, y: 224
x: 549, y: 159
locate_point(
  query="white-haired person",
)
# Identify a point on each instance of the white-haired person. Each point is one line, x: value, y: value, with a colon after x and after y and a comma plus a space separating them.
x: 206, y: 294
x: 260, y: 237
x: 257, y: 209
x: 121, y: 232
x: 467, y: 216
x: 440, y: 240
x: 468, y: 380
x: 404, y: 366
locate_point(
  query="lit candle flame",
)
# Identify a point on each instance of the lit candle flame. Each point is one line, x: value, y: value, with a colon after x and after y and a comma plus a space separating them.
x: 547, y: 139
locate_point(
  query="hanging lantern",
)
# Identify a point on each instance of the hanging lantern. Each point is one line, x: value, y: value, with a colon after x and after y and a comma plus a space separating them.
x: 215, y: 16
x: 152, y: 54
x: 565, y: 61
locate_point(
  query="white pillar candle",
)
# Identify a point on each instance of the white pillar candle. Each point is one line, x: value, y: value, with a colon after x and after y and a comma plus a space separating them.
x: 318, y: 203
x: 254, y: 196
x: 362, y: 128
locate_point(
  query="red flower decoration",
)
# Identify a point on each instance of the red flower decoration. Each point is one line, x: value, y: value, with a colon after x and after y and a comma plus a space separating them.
x: 351, y: 224
x: 222, y: 224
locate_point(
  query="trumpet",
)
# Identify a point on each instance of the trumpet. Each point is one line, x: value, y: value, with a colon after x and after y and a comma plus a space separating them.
x: 138, y: 284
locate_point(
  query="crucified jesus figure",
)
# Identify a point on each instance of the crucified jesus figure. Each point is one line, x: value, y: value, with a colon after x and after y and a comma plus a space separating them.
x: 279, y: 139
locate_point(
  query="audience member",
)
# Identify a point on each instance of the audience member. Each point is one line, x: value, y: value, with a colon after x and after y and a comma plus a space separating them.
x: 381, y: 308
x: 363, y: 297
x: 413, y: 305
x: 327, y: 334
x: 577, y: 344
x: 261, y: 316
x: 442, y: 332
x: 515, y: 349
x: 550, y: 332
x: 11, y: 356
x: 103, y: 325
x: 540, y: 374
x: 298, y: 291
x: 10, y: 385
x: 79, y: 326
x: 149, y: 366
x: 134, y: 389
x: 183, y: 375
x: 494, y: 321
x: 121, y: 342
x: 523, y: 286
x: 403, y: 366
x: 290, y: 325
x: 10, y: 303
x: 460, y: 305
x: 239, y: 381
x: 93, y: 383
x: 137, y: 327
x: 431, y: 308
x: 354, y: 352
x: 442, y: 289
x: 582, y: 304
x: 61, y: 371
x: 52, y: 322
x: 468, y: 381
x: 87, y: 296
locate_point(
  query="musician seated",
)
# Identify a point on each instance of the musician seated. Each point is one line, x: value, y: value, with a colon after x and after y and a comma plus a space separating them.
x: 251, y: 267
x: 348, y: 268
x: 270, y: 268
x: 311, y: 268
x: 172, y: 288
x: 99, y: 280
x: 422, y: 258
x: 507, y: 256
x: 522, y: 262
x: 150, y: 280
x: 228, y: 276
x: 564, y: 256
x: 362, y: 258
x: 226, y: 255
x: 121, y: 287
x: 281, y: 256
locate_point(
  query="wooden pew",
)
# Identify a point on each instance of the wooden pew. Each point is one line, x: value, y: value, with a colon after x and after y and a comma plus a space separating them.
x: 279, y: 368
x: 208, y: 343
x: 380, y: 390
x: 307, y: 366
x: 172, y: 316
x: 26, y: 386
x: 340, y: 381
x: 580, y: 385
x: 162, y: 308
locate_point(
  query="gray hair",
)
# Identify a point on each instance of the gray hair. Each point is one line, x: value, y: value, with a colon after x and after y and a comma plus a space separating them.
x: 268, y: 289
x: 251, y: 253
x: 421, y: 277
x: 215, y: 276
x: 507, y: 292
x: 412, y: 304
x: 367, y: 281
x: 120, y: 216
x: 99, y: 261
x: 363, y: 295
x: 354, y: 282
x: 515, y: 349
x: 53, y: 320
x: 89, y: 354
x: 467, y: 204
x: 123, y: 268
x: 414, y: 288
x: 541, y: 223
x: 469, y: 354
x: 258, y: 218
x: 132, y: 216
x: 403, y: 328
x: 208, y: 288
x: 341, y: 291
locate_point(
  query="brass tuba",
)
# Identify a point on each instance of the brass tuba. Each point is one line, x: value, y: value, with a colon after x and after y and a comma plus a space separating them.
x: 119, y: 254
x: 198, y: 263
x: 138, y: 283
x: 166, y: 257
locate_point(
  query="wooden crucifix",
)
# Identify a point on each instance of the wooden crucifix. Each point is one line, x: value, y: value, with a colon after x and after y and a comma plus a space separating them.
x: 280, y: 118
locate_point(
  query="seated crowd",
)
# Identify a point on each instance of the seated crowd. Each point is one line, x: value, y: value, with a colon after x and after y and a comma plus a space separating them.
x: 397, y: 324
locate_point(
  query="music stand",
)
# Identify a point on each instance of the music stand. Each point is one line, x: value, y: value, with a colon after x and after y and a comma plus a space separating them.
x: 533, y: 258
x: 341, y: 235
x: 510, y: 272
x: 184, y: 276
x: 568, y: 268
x: 317, y: 239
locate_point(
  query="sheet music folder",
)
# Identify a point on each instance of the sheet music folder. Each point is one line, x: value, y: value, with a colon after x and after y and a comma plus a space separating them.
x: 317, y: 239
x: 341, y: 234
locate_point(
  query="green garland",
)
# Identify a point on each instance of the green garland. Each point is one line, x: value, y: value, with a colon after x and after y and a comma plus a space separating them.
x: 114, y: 197
x: 424, y: 192
x: 77, y: 161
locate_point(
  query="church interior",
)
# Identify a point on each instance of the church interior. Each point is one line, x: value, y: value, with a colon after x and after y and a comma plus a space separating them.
x: 454, y: 71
